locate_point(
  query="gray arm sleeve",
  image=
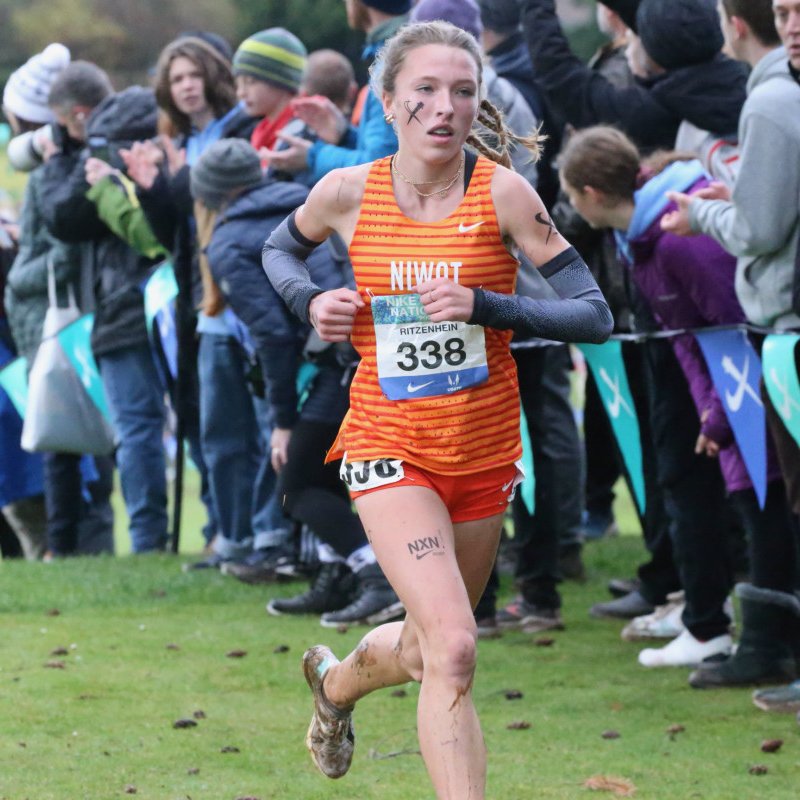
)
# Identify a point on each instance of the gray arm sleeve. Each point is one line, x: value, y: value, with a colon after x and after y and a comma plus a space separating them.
x: 283, y: 258
x: 580, y: 315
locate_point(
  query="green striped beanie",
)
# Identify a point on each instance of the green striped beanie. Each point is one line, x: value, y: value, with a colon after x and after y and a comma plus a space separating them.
x: 275, y: 56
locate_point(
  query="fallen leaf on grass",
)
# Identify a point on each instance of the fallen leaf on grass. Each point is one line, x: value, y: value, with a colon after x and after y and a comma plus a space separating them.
x: 59, y: 651
x: 513, y: 694
x: 236, y: 653
x: 229, y: 748
x: 399, y: 693
x: 55, y: 665
x: 193, y: 771
x: 281, y: 648
x: 158, y: 593
x: 544, y: 641
x: 771, y: 745
x: 520, y: 725
x: 758, y: 769
x: 184, y: 723
x: 53, y: 612
x: 199, y: 714
x: 130, y: 789
x: 173, y: 647
x: 673, y: 730
x: 342, y: 629
x: 22, y: 744
x: 621, y: 787
x: 611, y: 734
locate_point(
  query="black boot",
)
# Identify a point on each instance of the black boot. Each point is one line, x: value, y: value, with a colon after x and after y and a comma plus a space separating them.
x: 770, y: 632
x: 375, y: 602
x: 332, y: 589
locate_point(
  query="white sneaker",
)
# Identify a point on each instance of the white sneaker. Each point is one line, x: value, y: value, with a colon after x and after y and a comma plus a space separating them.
x: 686, y: 651
x: 664, y: 623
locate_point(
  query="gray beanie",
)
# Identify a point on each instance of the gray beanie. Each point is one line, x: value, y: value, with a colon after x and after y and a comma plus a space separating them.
x: 501, y: 16
x: 226, y: 166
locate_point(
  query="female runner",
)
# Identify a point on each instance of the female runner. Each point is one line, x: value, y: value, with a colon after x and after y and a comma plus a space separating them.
x: 430, y: 443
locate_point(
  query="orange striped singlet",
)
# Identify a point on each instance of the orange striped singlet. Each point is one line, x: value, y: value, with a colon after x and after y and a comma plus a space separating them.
x: 467, y: 431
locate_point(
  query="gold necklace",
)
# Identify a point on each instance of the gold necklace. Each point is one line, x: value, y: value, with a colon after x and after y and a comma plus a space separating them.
x: 414, y: 184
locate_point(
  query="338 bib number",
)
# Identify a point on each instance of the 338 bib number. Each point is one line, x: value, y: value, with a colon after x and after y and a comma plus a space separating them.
x: 431, y: 354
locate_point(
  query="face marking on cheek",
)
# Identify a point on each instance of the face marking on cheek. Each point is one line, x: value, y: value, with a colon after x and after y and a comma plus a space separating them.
x: 412, y: 113
x: 542, y: 219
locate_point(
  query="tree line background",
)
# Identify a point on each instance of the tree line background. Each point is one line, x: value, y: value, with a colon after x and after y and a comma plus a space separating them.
x: 126, y: 36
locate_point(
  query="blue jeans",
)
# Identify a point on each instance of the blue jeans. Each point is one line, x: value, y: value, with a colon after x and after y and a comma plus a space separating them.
x: 136, y: 404
x: 234, y: 447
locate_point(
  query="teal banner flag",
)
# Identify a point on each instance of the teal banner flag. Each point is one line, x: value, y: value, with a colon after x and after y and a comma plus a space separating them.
x: 527, y: 489
x: 159, y: 291
x: 160, y: 294
x: 608, y: 369
x: 14, y: 380
x: 75, y: 341
x: 780, y: 378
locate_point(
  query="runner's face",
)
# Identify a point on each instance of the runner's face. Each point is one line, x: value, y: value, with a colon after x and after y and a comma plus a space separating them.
x: 435, y: 100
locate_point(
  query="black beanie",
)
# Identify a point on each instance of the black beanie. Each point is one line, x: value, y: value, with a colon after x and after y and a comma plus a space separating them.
x: 626, y: 10
x: 679, y: 33
x: 226, y: 166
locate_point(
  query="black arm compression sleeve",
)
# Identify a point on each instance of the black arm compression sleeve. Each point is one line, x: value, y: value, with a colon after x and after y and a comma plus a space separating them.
x: 581, y: 315
x: 283, y: 258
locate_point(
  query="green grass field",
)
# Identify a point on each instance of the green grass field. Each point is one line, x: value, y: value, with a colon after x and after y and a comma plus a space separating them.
x: 145, y: 645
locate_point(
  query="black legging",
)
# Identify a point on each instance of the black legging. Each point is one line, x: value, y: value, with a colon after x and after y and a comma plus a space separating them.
x: 312, y: 491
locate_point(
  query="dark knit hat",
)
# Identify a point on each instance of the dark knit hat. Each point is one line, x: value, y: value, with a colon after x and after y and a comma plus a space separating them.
x: 275, y: 56
x: 501, y: 16
x: 464, y: 14
x: 389, y: 6
x: 225, y: 166
x: 680, y: 33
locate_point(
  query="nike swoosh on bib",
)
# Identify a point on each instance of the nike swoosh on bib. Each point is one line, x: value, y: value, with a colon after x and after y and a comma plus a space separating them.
x: 462, y: 228
x: 411, y: 388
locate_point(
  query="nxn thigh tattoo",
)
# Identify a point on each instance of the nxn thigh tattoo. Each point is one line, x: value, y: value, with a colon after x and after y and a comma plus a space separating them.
x: 427, y: 546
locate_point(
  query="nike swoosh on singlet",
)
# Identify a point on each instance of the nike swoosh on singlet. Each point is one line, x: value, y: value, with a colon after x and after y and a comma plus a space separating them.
x: 462, y: 228
x: 411, y: 388
x: 506, y: 486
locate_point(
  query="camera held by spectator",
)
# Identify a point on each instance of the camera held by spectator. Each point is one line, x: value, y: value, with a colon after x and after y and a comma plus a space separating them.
x: 28, y: 150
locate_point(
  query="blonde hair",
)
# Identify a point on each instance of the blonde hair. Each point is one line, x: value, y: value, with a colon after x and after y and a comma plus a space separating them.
x: 497, y: 143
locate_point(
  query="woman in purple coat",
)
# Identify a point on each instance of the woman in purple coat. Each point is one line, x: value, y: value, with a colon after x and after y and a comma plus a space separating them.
x: 689, y: 283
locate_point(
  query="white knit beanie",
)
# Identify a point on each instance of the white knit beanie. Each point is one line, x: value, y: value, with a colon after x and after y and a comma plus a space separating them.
x: 26, y: 91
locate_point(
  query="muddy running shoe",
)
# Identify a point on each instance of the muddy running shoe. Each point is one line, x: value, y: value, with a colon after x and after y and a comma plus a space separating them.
x: 330, y: 738
x: 779, y: 699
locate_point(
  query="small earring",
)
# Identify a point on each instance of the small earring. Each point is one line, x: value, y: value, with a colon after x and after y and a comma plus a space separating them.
x: 389, y: 118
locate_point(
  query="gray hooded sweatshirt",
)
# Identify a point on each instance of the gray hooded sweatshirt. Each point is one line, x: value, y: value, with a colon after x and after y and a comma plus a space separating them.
x: 761, y: 223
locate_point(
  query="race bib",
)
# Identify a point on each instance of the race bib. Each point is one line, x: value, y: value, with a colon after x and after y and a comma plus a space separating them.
x: 420, y: 358
x: 362, y: 475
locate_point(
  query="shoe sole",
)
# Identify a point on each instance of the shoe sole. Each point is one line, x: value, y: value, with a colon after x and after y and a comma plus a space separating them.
x: 791, y: 707
x: 392, y: 612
